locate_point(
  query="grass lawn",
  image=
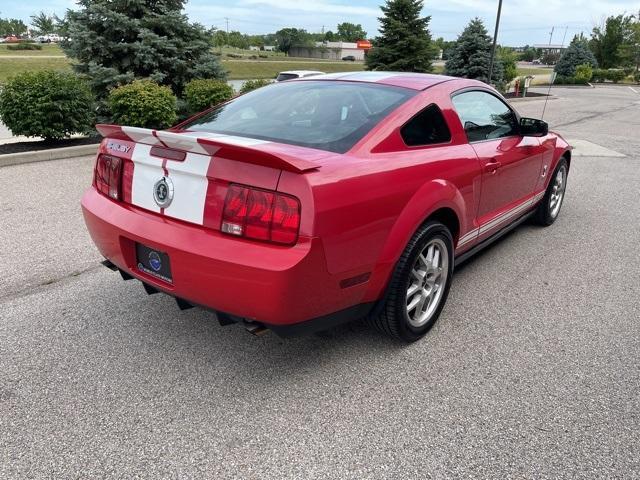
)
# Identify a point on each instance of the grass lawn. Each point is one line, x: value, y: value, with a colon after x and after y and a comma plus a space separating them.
x: 240, y: 70
x: 12, y: 66
x: 47, y: 49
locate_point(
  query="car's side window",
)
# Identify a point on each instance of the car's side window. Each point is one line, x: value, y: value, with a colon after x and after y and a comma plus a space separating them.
x: 484, y: 116
x: 427, y: 128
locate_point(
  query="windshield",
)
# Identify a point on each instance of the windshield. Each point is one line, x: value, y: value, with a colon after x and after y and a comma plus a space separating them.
x: 327, y: 115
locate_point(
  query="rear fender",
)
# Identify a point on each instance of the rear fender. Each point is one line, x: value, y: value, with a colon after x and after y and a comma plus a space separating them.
x: 431, y: 197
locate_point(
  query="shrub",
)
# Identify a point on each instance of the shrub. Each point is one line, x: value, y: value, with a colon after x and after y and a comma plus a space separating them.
x: 562, y: 80
x: 234, y: 55
x: 253, y: 84
x: 24, y: 46
x: 615, y: 75
x: 143, y: 103
x: 202, y: 94
x: 48, y: 104
x: 636, y: 76
x: 599, y: 75
x: 584, y: 73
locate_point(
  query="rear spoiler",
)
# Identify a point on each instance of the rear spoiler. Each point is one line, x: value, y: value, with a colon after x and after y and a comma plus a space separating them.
x: 241, y: 149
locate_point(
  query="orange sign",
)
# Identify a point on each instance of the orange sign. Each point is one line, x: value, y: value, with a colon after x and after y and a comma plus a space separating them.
x: 364, y: 44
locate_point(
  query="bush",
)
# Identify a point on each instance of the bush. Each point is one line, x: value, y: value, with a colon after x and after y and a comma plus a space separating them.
x: 253, y: 84
x: 202, y: 94
x: 48, y: 104
x: 599, y: 75
x: 636, y: 77
x: 562, y: 80
x: 143, y: 103
x: 615, y: 75
x: 234, y: 55
x: 24, y: 46
x: 584, y: 73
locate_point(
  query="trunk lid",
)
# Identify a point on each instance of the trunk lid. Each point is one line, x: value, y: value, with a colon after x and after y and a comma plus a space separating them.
x: 185, y: 175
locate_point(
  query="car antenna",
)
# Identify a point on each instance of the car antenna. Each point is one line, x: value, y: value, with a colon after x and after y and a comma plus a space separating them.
x: 553, y: 74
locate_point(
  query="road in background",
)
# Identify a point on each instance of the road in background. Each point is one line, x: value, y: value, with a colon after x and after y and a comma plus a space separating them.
x: 532, y: 371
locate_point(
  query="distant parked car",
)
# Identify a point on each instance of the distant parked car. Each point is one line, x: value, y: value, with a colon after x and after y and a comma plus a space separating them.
x: 51, y: 37
x: 293, y: 74
x: 536, y: 62
x: 349, y: 58
x: 11, y: 39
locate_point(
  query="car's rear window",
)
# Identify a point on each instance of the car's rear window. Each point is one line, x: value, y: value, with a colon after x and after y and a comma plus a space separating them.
x: 327, y: 115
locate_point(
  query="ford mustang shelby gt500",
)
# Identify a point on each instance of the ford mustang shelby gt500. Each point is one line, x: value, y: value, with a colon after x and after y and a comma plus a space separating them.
x: 311, y: 202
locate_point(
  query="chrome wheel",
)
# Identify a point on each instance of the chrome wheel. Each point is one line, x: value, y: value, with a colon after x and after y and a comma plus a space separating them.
x: 427, y: 282
x: 557, y: 191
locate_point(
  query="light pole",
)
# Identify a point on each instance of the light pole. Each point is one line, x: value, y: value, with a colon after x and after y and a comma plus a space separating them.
x: 495, y: 38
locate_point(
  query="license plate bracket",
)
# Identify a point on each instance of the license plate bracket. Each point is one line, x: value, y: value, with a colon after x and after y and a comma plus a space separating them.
x: 153, y: 262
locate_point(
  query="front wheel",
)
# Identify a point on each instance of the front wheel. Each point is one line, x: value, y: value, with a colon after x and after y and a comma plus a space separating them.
x: 549, y: 208
x: 419, y: 285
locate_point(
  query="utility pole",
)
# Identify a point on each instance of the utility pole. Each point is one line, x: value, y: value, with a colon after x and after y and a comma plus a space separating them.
x: 226, y: 19
x: 495, y: 38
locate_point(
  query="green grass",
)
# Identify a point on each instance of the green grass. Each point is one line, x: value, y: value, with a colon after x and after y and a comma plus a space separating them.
x: 534, y: 71
x: 47, y: 49
x: 13, y: 66
x: 241, y: 70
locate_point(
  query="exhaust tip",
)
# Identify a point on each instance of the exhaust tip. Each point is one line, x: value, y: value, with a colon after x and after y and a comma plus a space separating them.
x: 255, y: 329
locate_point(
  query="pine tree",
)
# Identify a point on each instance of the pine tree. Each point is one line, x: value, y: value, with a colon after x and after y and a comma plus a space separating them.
x: 117, y: 41
x: 577, y: 53
x: 471, y: 56
x: 404, y: 43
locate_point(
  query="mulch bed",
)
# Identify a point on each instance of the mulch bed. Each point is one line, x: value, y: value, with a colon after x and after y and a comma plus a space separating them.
x: 529, y: 95
x: 20, y: 147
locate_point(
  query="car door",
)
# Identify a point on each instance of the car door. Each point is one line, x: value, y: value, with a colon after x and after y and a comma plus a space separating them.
x: 510, y: 162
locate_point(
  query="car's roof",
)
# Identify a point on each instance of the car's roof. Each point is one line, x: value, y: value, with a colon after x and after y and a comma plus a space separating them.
x: 301, y: 72
x: 415, y: 81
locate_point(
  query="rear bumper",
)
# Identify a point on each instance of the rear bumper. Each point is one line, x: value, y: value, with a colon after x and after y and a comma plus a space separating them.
x: 277, y: 286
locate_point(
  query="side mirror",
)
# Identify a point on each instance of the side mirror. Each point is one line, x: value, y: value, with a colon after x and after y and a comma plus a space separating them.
x: 531, y: 127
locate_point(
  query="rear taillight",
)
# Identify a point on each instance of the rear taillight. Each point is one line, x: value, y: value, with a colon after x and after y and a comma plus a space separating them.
x: 108, y: 176
x: 261, y: 215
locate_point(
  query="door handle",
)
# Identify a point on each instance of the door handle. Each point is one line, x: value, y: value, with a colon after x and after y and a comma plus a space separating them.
x: 492, y: 166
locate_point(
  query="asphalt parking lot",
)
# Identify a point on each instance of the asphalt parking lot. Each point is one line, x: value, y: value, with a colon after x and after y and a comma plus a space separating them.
x: 533, y: 370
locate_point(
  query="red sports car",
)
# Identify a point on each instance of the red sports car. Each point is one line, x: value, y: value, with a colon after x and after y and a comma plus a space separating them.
x: 308, y: 203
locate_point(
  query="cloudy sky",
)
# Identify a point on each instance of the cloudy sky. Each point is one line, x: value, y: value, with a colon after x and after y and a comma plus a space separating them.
x: 523, y: 21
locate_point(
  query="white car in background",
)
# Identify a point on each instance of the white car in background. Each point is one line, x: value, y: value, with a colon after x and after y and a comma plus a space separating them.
x: 49, y: 38
x: 293, y: 74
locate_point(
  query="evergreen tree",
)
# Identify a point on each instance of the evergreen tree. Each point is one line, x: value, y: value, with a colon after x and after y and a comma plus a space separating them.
x: 404, y: 43
x: 472, y: 54
x: 577, y: 53
x: 117, y: 41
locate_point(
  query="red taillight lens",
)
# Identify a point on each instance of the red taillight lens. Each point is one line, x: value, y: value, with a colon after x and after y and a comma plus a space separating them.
x: 261, y: 215
x: 108, y: 176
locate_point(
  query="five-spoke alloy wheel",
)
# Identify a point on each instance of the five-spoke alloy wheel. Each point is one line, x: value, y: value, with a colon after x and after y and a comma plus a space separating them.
x: 419, y: 285
x: 549, y: 207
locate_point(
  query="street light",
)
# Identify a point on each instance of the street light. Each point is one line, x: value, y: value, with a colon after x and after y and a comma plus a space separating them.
x: 495, y: 37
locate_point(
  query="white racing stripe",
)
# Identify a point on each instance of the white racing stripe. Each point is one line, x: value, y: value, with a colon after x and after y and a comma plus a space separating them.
x: 189, y: 179
x: 500, y: 219
x: 147, y: 171
x: 190, y: 187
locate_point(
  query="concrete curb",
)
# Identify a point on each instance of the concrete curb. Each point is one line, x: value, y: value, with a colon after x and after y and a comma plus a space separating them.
x: 45, y: 155
x: 530, y: 99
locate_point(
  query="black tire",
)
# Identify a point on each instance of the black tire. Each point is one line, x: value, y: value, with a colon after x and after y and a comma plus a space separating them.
x: 392, y: 317
x: 544, y: 213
